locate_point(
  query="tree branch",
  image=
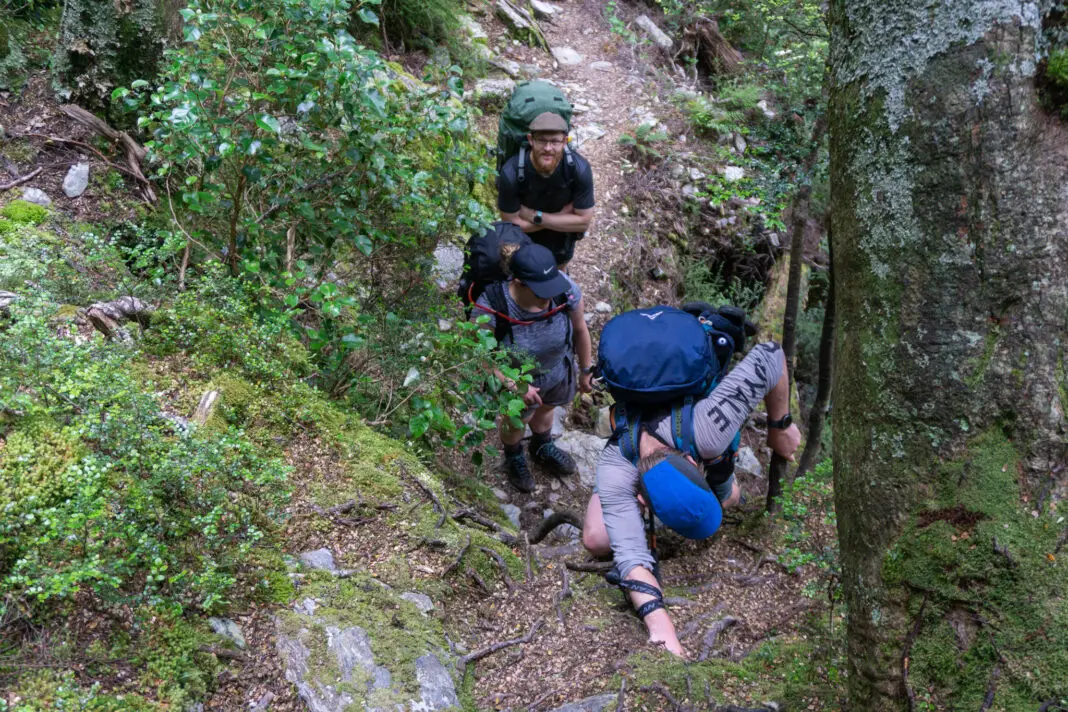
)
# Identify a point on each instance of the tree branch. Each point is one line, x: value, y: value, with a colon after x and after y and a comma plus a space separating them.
x: 491, y: 649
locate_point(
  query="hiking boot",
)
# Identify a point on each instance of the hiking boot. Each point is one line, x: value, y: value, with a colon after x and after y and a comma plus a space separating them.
x: 552, y: 458
x: 518, y: 473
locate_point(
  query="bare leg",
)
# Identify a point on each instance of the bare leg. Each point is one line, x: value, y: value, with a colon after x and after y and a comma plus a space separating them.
x: 594, y: 533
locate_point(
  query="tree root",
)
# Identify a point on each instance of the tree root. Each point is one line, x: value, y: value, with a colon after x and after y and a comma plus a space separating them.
x: 553, y: 521
x: 460, y: 558
x: 135, y: 153
x: 19, y: 181
x: 478, y: 579
x: 691, y: 627
x: 430, y: 493
x: 501, y: 565
x: 991, y: 688
x: 1004, y: 551
x: 909, y: 640
x: 709, y: 641
x: 491, y: 649
x: 664, y: 692
x: 564, y: 593
x: 107, y: 316
x: 493, y: 526
x: 592, y: 567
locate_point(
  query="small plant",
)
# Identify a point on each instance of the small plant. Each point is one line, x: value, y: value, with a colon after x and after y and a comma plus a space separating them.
x: 641, y: 144
x: 810, y: 525
x: 21, y: 211
x: 616, y: 23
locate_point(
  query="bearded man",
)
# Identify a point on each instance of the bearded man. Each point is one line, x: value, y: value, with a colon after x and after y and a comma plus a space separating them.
x: 551, y: 196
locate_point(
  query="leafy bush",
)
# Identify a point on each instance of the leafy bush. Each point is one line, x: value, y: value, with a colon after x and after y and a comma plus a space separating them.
x: 102, y: 492
x: 217, y: 324
x: 295, y: 150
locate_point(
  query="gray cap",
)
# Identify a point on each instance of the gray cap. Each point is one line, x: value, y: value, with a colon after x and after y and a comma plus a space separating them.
x: 548, y: 121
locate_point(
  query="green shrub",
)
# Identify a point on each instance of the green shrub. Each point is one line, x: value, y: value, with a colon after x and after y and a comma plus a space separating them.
x: 118, y: 500
x: 21, y: 211
x: 218, y: 325
x: 55, y: 690
x: 641, y: 144
x: 422, y: 23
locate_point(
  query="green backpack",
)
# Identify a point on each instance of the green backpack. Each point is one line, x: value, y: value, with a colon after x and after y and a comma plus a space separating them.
x: 528, y: 101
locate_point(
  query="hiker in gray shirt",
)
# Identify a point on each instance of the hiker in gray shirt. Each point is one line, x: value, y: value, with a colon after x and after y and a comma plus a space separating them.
x: 545, y: 314
x: 614, y: 523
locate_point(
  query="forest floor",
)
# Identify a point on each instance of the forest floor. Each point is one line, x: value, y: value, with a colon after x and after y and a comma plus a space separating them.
x: 589, y: 642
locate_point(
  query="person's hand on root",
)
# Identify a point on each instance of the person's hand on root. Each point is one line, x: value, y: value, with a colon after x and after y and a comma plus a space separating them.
x: 784, y: 441
x: 586, y: 382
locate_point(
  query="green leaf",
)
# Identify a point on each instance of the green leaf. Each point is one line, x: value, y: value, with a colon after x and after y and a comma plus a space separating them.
x: 292, y: 300
x: 247, y: 21
x: 367, y: 16
x: 269, y: 123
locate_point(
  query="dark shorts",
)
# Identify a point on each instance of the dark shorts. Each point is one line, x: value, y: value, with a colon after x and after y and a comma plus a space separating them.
x: 562, y: 246
x: 557, y: 392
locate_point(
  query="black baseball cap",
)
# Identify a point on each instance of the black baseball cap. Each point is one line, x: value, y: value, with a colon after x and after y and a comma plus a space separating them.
x: 535, y: 266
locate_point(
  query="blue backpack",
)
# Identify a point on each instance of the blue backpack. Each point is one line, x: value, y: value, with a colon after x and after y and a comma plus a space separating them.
x: 659, y: 357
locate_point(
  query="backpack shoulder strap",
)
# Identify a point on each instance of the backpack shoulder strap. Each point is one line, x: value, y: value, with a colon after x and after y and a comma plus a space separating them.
x: 682, y: 427
x: 569, y: 155
x: 521, y: 166
x: 628, y: 431
x: 502, y: 328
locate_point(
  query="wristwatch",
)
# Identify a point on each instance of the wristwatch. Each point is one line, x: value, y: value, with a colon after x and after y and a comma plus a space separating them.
x: 586, y: 370
x: 537, y: 217
x: 782, y: 423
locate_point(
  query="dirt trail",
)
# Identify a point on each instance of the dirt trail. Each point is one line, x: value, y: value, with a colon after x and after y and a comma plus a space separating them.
x: 590, y: 636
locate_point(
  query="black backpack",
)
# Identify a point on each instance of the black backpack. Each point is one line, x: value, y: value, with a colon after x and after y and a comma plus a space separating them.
x: 483, y: 273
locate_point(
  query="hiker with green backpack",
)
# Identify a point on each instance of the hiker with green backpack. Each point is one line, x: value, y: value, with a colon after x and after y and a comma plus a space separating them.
x: 537, y: 311
x: 678, y: 414
x: 544, y: 186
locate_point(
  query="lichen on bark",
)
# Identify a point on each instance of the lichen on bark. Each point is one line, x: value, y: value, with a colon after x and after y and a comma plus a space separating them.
x: 951, y: 245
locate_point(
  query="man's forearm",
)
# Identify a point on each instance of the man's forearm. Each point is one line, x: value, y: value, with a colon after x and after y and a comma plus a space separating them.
x: 777, y: 400
x: 524, y: 225
x: 566, y: 222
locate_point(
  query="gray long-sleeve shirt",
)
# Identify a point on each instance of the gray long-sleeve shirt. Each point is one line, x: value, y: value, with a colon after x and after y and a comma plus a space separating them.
x: 715, y: 421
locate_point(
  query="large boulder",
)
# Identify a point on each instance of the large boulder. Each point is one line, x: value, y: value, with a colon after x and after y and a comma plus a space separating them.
x: 585, y: 449
x: 351, y: 643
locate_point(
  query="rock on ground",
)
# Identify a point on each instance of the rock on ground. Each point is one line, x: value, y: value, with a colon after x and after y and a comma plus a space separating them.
x: 748, y: 463
x: 37, y: 196
x: 597, y: 703
x: 77, y: 180
x: 601, y: 66
x: 585, y: 449
x: 435, y: 685
x: 421, y: 601
x: 733, y: 173
x: 493, y: 92
x: 658, y: 36
x: 448, y: 264
x: 512, y: 512
x: 567, y: 56
x: 229, y: 630
x: 588, y: 132
x: 321, y: 559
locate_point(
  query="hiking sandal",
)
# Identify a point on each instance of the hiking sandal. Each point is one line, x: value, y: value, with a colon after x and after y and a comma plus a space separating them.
x: 625, y: 585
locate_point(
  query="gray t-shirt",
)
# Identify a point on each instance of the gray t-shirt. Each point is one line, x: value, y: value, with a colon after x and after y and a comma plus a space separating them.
x: 546, y: 340
x: 715, y: 421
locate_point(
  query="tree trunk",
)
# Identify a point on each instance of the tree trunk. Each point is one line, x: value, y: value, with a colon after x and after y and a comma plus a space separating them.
x: 778, y: 469
x: 949, y: 187
x: 105, y: 44
x: 816, y: 416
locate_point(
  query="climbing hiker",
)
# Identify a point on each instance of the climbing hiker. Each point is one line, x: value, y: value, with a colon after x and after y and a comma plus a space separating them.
x: 538, y: 312
x: 544, y: 186
x: 669, y: 426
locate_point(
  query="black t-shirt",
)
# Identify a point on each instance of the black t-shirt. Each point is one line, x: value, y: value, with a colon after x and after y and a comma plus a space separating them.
x: 568, y: 184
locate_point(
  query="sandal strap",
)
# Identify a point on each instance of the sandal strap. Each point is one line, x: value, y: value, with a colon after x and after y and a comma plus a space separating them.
x: 648, y: 607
